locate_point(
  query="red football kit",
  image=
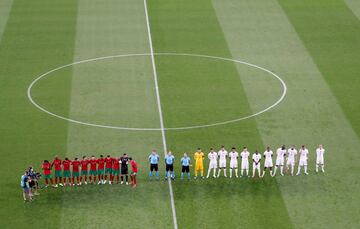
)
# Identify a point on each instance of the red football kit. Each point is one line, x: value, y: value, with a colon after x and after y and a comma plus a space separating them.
x: 116, y: 164
x: 66, y: 165
x: 57, y: 164
x: 134, y: 167
x: 75, y: 165
x: 109, y: 162
x: 101, y: 163
x: 47, y: 168
x: 84, y: 165
x: 93, y: 163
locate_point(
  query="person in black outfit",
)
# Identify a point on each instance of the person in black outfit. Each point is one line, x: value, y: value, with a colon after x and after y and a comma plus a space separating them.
x: 124, y: 161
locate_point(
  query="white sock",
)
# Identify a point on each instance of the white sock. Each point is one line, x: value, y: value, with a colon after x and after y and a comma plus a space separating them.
x: 219, y: 172
x: 292, y: 170
x: 317, y: 168
x: 253, y: 172
x: 305, y: 168
x: 281, y: 170
x: 224, y: 172
x: 275, y: 170
x: 242, y: 172
x: 247, y: 172
x: 322, y: 168
x: 299, y: 169
x: 209, y: 170
x: 231, y: 172
x: 236, y: 172
x: 214, y: 172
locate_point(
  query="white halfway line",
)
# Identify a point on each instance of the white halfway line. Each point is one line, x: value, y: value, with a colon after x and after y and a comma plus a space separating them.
x: 160, y: 111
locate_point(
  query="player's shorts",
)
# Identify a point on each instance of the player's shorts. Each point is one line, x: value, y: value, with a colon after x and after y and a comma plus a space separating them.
x: 213, y: 165
x: 320, y: 161
x: 169, y: 167
x: 26, y: 190
x: 108, y: 171
x: 244, y: 164
x: 279, y: 161
x: 154, y: 167
x: 302, y: 162
x: 124, y: 171
x: 222, y: 164
x: 290, y: 162
x: 84, y: 172
x: 185, y: 169
x: 67, y: 173
x: 233, y: 164
x: 76, y: 174
x: 115, y: 172
x: 57, y: 173
x: 256, y: 166
x: 199, y: 167
x: 268, y: 163
x: 100, y: 172
x: 47, y: 176
x: 93, y: 172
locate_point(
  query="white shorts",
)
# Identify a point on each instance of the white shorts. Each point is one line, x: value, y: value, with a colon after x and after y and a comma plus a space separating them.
x: 256, y: 166
x: 244, y: 164
x: 213, y: 165
x: 320, y: 161
x: 222, y: 164
x: 302, y: 162
x: 290, y: 162
x: 280, y: 161
x: 233, y: 164
x: 268, y: 163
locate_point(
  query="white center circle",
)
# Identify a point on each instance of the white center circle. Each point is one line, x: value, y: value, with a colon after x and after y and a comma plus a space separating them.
x: 283, y: 94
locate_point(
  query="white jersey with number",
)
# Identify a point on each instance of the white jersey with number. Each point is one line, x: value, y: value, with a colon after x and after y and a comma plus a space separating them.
x: 291, y: 156
x: 320, y: 156
x: 245, y: 159
x: 222, y: 158
x: 213, y: 160
x: 280, y: 155
x: 256, y: 160
x: 268, y: 158
x: 233, y: 159
x: 303, y: 157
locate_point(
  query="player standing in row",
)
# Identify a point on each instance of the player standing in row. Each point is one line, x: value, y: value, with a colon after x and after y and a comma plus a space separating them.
x: 57, y: 163
x: 320, y: 158
x: 134, y: 171
x: 291, y: 155
x: 46, y: 166
x: 212, y: 155
x: 93, y: 169
x: 185, y: 166
x: 304, y: 156
x: 84, y: 170
x: 256, y: 163
x: 244, y: 161
x: 100, y: 171
x: 115, y: 170
x: 222, y: 154
x: 268, y: 161
x: 124, y: 161
x: 75, y: 171
x: 280, y: 155
x: 154, y: 164
x: 66, y: 174
x: 169, y: 166
x: 108, y: 168
x: 234, y: 161
x: 199, y: 163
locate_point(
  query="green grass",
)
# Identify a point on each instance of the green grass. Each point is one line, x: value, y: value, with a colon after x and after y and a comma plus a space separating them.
x: 312, y: 46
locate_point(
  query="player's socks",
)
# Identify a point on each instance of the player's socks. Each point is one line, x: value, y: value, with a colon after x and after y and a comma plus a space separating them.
x: 219, y: 173
x: 208, y: 174
x: 323, y: 169
x: 224, y: 172
x: 275, y: 171
x: 242, y: 173
x: 150, y: 175
x: 317, y: 168
x: 247, y: 172
x: 214, y: 173
x: 157, y: 175
x: 182, y: 176
x: 298, y: 172
x: 305, y: 169
x: 202, y: 173
x: 281, y: 170
x: 173, y: 174
x: 230, y: 173
x: 166, y: 175
x: 188, y: 176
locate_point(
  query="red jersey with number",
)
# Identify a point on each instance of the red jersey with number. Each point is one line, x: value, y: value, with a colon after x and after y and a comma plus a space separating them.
x: 84, y: 165
x: 93, y: 163
x: 109, y: 162
x: 57, y: 164
x: 66, y: 165
x: 75, y: 166
x: 101, y: 163
x: 116, y: 164
x: 134, y: 166
x: 47, y: 168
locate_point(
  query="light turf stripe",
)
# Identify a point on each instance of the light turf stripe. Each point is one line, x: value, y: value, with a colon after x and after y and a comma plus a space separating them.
x: 160, y: 110
x: 5, y: 8
x: 259, y: 32
x: 354, y: 6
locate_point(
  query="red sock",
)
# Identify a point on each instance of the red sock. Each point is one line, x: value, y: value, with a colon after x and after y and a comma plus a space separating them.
x: 69, y: 180
x: 134, y: 179
x: 64, y: 180
x: 46, y: 181
x: 117, y: 178
x: 77, y: 179
x: 90, y: 178
x: 111, y: 178
x: 51, y: 180
x: 105, y: 177
x: 73, y: 180
x: 56, y: 180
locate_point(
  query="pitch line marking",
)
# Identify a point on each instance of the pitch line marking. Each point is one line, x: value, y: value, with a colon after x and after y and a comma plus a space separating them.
x: 160, y: 110
x: 284, y: 87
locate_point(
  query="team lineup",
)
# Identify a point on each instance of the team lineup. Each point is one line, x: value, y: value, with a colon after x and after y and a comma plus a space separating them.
x: 218, y: 162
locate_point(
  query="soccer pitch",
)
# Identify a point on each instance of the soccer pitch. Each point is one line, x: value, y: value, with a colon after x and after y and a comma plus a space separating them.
x: 115, y: 76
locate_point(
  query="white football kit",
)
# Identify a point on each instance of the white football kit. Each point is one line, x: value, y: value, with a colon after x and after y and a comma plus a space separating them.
x: 320, y: 156
x: 268, y: 159
x: 233, y: 159
x: 280, y: 154
x: 245, y: 159
x: 213, y: 160
x: 291, y: 157
x: 222, y: 158
x: 256, y: 161
x: 303, y: 157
